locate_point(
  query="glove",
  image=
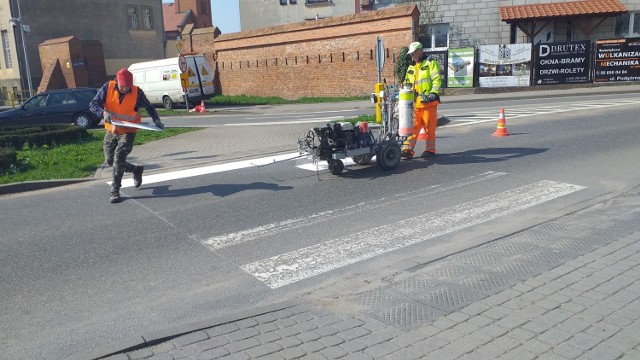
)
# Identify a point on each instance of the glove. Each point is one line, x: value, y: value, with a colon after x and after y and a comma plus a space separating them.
x: 107, y: 117
x: 423, y: 98
x: 433, y: 97
x: 159, y: 124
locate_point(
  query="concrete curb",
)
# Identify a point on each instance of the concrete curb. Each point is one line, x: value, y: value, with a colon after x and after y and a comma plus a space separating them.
x: 38, y: 185
x: 159, y: 336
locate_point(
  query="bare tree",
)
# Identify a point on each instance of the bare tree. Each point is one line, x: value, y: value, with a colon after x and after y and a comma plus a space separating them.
x: 429, y: 16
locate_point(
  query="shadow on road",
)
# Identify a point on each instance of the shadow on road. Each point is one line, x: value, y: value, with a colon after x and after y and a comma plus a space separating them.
x: 485, y: 155
x: 220, y: 190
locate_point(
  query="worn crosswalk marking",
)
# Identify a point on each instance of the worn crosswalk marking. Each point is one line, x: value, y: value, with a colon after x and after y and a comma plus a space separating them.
x: 303, y: 263
x: 235, y: 238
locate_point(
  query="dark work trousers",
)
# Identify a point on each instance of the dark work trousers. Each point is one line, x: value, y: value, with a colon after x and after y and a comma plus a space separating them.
x: 116, y: 148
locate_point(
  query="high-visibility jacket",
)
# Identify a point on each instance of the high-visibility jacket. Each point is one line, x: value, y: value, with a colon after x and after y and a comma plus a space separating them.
x: 424, y: 77
x: 121, y: 111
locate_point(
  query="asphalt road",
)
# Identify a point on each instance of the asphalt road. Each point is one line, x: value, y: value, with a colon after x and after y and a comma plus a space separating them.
x: 78, y: 272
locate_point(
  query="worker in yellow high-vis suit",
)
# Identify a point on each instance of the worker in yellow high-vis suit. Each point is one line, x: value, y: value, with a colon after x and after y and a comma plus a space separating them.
x: 424, y: 76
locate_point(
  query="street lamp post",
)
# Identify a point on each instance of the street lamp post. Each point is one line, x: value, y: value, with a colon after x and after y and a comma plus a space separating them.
x: 18, y: 22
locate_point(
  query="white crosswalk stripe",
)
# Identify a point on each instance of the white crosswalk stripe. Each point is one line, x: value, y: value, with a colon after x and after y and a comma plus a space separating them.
x: 222, y: 241
x: 310, y: 261
x: 530, y: 110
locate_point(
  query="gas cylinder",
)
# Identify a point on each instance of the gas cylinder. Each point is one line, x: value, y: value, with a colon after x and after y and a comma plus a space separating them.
x: 405, y: 112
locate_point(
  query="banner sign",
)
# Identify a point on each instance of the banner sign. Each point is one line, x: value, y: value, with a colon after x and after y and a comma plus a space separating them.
x: 617, y: 60
x: 504, y: 65
x: 562, y: 63
x: 460, y: 70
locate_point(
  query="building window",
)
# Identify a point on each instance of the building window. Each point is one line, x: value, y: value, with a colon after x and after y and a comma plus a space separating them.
x: 293, y: 2
x: 311, y: 2
x: 132, y: 13
x: 437, y: 36
x: 628, y: 25
x: 147, y: 18
x: 7, y: 50
x: 283, y: 2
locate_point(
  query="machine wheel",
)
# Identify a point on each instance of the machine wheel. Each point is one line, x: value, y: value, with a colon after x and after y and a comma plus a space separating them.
x: 388, y: 155
x: 167, y: 102
x: 362, y: 159
x: 336, y: 166
x: 82, y: 120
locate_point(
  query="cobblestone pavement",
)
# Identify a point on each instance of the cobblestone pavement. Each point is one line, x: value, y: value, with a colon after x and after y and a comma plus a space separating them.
x: 565, y: 289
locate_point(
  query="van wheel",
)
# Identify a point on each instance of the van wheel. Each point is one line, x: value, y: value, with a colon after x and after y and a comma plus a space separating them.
x: 167, y: 102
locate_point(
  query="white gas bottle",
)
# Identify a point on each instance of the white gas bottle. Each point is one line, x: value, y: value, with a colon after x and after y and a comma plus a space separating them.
x: 405, y: 111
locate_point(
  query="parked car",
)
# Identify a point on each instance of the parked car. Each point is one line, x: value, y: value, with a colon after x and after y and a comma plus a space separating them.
x: 54, y: 107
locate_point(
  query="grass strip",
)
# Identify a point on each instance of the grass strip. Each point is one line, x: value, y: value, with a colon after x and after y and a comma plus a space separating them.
x: 72, y: 161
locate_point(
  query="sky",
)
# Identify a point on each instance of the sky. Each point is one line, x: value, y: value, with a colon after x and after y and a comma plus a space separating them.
x: 226, y: 15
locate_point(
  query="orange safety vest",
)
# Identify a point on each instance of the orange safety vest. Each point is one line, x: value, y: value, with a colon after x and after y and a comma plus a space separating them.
x: 124, y: 111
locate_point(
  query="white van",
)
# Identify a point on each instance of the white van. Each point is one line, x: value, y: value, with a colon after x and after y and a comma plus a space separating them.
x: 160, y: 80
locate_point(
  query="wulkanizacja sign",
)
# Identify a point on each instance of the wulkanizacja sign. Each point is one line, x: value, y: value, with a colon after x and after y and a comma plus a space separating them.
x: 617, y: 60
x: 562, y: 63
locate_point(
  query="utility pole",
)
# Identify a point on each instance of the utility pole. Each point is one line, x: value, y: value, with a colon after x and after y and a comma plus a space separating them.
x: 18, y: 22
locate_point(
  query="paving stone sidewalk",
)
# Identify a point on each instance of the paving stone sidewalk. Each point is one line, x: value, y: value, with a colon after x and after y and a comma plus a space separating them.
x: 565, y: 289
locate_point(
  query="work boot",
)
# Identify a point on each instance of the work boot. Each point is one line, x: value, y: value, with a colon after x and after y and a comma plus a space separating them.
x: 115, y: 197
x: 406, y: 153
x: 137, y: 176
x: 427, y: 154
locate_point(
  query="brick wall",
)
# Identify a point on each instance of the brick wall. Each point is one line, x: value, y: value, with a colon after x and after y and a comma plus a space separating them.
x: 96, y: 70
x: 68, y: 62
x: 329, y: 57
x: 61, y: 49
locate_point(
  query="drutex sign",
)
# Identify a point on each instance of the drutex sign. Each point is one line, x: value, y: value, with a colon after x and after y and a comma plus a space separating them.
x: 617, y: 60
x: 561, y: 63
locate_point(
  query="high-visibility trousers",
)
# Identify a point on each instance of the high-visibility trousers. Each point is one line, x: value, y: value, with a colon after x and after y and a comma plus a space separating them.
x: 425, y: 117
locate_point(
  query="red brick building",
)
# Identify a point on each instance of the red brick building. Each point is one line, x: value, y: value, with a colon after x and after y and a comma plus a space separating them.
x: 329, y: 57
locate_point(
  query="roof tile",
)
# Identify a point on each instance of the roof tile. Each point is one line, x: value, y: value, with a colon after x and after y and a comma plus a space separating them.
x: 573, y: 8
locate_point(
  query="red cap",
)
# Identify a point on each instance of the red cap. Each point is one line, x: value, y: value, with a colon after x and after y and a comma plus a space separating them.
x: 125, y: 78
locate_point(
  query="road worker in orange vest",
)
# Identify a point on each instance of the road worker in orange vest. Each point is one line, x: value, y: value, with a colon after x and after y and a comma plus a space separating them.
x: 424, y: 76
x: 121, y: 100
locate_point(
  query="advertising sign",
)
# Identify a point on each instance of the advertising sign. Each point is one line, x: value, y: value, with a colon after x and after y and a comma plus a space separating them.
x: 460, y: 69
x: 617, y: 60
x: 561, y: 63
x: 504, y: 65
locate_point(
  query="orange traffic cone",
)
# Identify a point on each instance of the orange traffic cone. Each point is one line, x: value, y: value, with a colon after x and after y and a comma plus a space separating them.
x: 501, y: 129
x: 202, y: 109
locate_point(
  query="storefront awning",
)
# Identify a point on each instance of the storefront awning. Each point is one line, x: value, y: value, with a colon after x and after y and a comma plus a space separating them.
x: 587, y: 8
x: 527, y: 17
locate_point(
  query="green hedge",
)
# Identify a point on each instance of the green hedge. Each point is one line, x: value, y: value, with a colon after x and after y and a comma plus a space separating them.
x: 17, y: 137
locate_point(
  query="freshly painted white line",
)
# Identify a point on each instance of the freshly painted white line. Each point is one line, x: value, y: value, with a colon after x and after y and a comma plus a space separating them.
x: 306, y: 121
x: 323, y: 165
x: 181, y: 174
x: 222, y: 241
x: 297, y: 265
